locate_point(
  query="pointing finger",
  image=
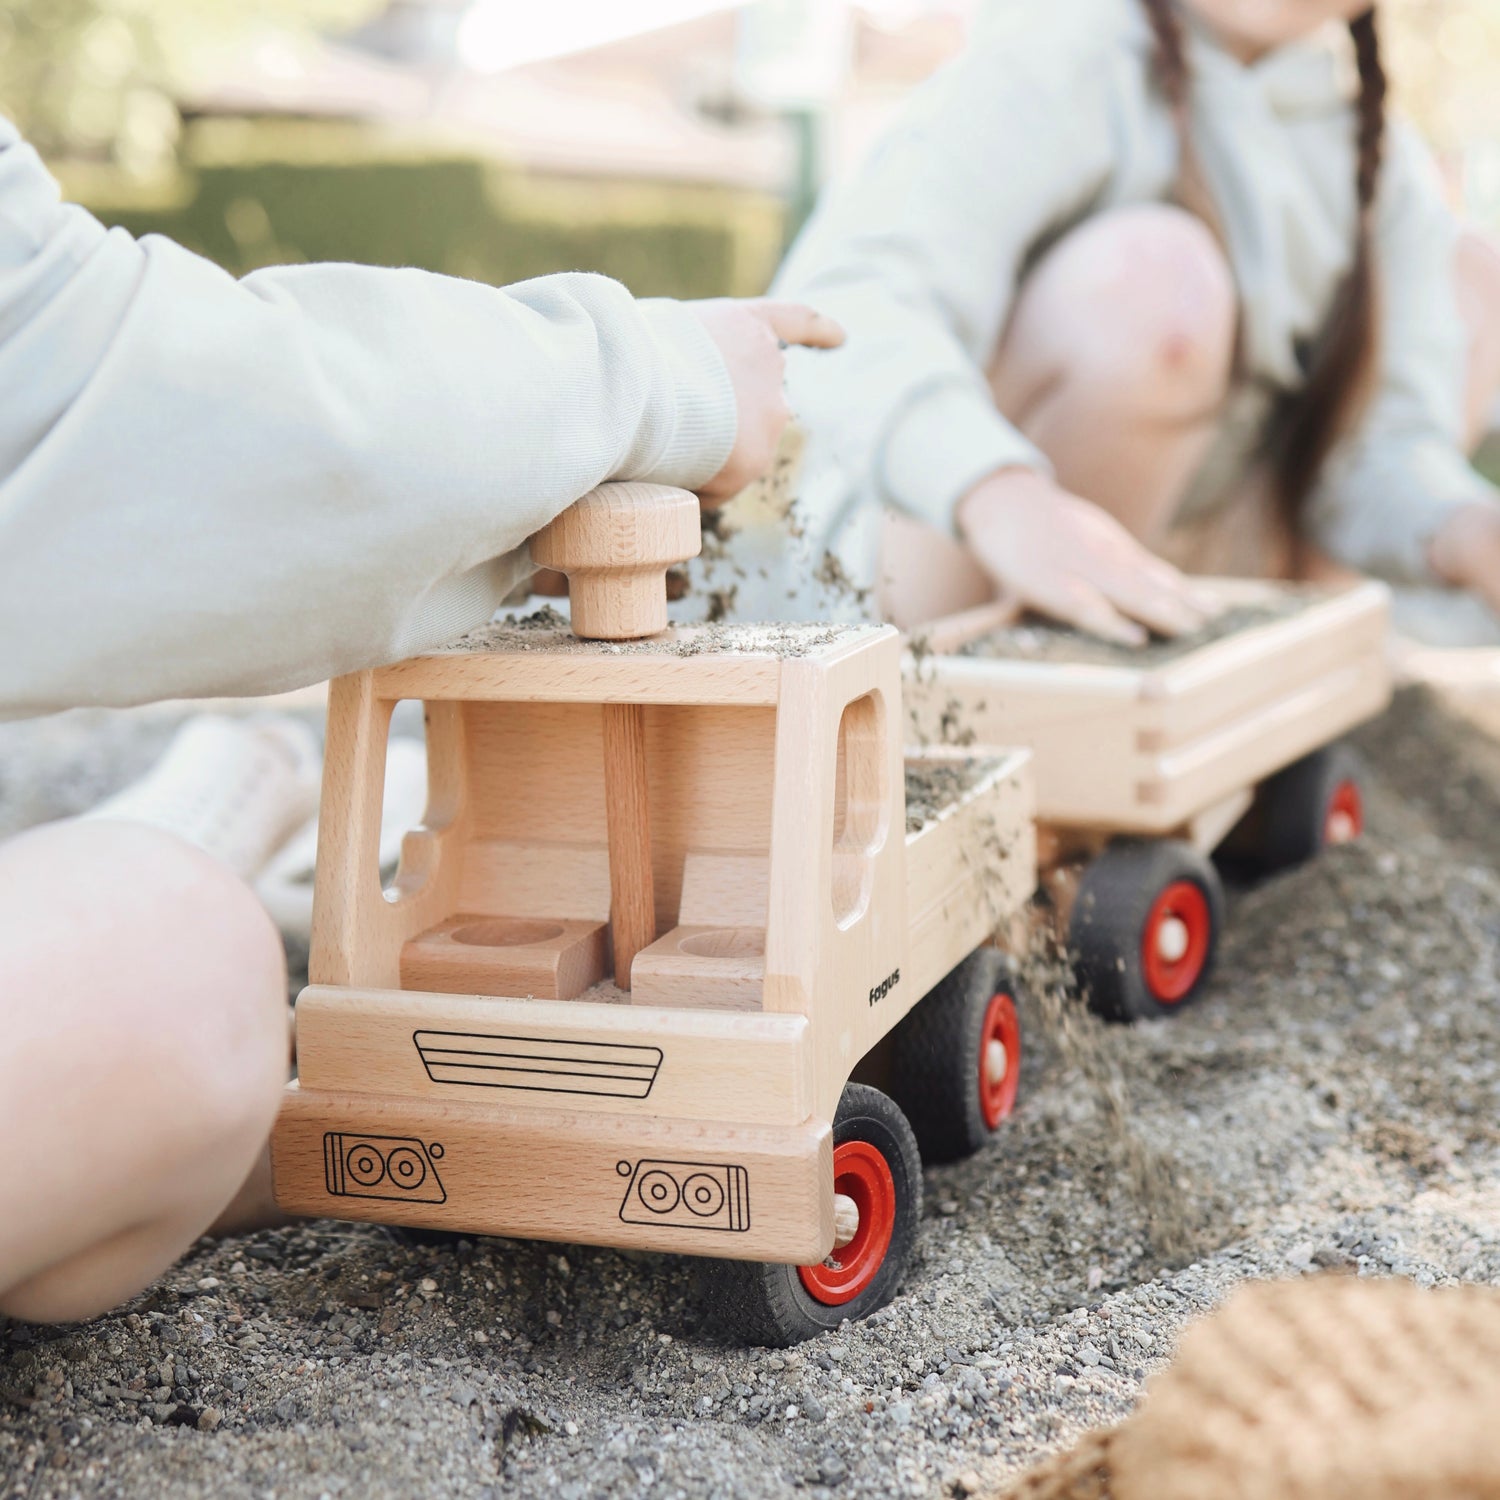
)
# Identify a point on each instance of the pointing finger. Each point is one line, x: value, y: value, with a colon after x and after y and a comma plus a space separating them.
x: 796, y: 323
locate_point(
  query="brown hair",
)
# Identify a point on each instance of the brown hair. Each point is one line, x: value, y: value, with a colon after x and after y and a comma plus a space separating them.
x: 1341, y: 361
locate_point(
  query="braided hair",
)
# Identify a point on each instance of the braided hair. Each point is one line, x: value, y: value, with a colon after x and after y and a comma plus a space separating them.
x: 1340, y: 363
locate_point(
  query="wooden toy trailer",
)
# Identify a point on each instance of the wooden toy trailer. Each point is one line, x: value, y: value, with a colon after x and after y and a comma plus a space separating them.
x: 1143, y: 770
x: 667, y: 897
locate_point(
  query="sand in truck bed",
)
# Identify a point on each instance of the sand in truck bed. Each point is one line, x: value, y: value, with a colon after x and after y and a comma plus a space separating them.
x: 935, y: 784
x: 1041, y: 641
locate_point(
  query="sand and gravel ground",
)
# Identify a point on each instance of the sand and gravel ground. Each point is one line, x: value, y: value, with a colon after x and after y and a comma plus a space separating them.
x: 1331, y: 1104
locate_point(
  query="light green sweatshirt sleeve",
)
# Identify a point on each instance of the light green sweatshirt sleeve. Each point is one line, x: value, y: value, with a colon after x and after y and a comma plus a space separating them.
x: 1391, y: 487
x: 919, y: 253
x: 216, y: 486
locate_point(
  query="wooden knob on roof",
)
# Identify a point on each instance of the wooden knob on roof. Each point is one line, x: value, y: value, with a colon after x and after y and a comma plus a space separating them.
x: 616, y: 545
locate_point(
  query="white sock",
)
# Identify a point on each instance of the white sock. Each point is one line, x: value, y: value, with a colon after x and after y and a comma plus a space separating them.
x: 237, y: 788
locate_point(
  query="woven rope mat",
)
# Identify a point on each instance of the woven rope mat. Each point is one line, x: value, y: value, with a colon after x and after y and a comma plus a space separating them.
x: 1329, y: 1388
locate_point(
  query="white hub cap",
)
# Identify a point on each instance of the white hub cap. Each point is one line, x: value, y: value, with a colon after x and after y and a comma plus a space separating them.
x: 845, y: 1220
x: 1340, y: 828
x: 1172, y: 939
x: 996, y: 1062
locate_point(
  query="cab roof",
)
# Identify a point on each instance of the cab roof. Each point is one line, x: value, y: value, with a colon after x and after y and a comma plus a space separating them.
x: 537, y: 658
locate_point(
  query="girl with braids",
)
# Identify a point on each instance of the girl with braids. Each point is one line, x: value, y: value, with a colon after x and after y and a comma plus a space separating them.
x: 1147, y: 278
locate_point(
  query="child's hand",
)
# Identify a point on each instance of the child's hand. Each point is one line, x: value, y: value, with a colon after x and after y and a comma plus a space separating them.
x: 1066, y: 558
x: 751, y: 336
x: 1465, y: 551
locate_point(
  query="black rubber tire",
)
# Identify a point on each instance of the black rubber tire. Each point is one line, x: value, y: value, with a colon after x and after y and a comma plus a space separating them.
x: 1292, y: 806
x: 935, y: 1068
x: 1107, y: 928
x: 758, y: 1303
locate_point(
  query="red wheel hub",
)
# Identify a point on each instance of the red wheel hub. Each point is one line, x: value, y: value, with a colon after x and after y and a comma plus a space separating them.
x: 1344, y: 820
x: 999, y: 1059
x: 1175, y: 943
x: 861, y: 1174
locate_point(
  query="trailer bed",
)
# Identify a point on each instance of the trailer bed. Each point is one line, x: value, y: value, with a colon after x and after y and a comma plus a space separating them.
x: 1148, y: 746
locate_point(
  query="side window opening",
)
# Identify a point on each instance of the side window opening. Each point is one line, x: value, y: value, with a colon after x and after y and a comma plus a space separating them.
x: 861, y: 805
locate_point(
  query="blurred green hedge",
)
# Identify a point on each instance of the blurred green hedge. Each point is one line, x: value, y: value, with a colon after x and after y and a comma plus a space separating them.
x: 255, y: 194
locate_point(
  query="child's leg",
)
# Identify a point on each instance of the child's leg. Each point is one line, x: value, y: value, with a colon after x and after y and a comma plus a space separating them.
x: 143, y: 1049
x: 1478, y: 273
x: 1118, y: 356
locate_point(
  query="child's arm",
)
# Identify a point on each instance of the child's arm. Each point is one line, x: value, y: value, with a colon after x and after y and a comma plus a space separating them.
x: 212, y: 486
x: 1393, y: 489
x: 919, y: 255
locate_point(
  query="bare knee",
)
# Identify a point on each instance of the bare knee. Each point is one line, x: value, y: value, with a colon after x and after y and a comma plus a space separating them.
x: 1139, y: 302
x: 178, y: 936
x: 143, y: 989
x: 167, y: 963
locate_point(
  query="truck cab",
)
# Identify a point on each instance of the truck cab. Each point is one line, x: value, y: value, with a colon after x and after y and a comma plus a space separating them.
x: 667, y: 896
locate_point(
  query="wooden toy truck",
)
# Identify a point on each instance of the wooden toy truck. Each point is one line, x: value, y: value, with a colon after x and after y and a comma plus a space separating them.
x: 666, y: 899
x: 1143, y: 769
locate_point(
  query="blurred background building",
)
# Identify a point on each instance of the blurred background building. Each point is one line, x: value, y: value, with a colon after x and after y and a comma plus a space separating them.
x: 673, y: 143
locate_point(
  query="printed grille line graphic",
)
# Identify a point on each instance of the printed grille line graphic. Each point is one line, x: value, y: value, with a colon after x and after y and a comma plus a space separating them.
x: 548, y: 1065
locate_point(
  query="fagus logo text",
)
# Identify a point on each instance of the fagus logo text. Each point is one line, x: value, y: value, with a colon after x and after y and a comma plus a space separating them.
x: 885, y: 986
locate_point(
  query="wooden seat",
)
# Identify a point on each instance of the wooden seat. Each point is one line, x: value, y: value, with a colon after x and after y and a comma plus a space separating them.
x: 535, y: 958
x: 707, y: 968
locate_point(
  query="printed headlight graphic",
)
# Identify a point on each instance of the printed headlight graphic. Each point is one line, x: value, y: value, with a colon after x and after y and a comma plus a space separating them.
x: 686, y: 1194
x: 397, y: 1168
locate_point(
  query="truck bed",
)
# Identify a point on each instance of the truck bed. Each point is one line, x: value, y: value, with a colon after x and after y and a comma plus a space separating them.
x: 970, y: 853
